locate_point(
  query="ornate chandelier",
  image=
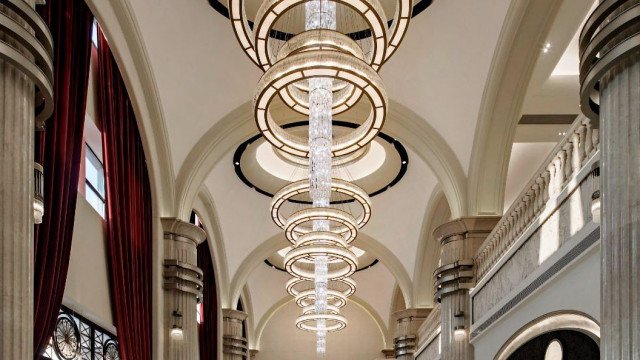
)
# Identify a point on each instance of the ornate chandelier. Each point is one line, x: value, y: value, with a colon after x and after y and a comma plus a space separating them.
x: 319, y: 72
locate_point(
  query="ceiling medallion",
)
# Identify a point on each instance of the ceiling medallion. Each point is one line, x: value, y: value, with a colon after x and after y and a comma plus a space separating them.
x: 319, y: 71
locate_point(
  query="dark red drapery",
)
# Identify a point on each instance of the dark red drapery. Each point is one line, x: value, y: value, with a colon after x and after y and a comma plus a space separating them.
x: 208, y: 328
x: 59, y: 150
x: 129, y: 213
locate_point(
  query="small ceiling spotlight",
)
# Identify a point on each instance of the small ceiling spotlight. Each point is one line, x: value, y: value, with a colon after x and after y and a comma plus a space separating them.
x: 404, y: 162
x: 176, y: 332
x: 546, y: 48
x: 237, y: 163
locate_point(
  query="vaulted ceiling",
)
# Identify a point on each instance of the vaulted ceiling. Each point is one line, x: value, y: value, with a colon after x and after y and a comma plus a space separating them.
x: 193, y: 85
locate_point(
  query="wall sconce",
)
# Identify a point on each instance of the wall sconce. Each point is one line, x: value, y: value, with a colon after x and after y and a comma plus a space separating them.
x: 176, y: 330
x: 459, y: 329
x: 595, y: 206
x: 595, y: 196
x: 38, y: 193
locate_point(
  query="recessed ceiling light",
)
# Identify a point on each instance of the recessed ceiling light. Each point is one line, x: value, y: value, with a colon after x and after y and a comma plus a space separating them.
x: 404, y: 162
x: 546, y: 48
x: 237, y: 163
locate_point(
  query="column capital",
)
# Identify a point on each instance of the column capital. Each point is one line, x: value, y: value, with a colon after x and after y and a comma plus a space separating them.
x: 407, y: 323
x: 465, y: 227
x: 253, y: 353
x: 389, y: 353
x: 182, y: 229
x: 234, y: 315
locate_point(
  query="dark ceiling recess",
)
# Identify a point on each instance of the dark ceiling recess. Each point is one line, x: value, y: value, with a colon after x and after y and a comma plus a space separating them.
x: 419, y: 7
x: 546, y: 119
x: 373, y: 263
x: 402, y: 153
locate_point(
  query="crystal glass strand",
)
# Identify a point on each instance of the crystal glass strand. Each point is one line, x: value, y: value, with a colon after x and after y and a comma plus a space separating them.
x: 320, y: 14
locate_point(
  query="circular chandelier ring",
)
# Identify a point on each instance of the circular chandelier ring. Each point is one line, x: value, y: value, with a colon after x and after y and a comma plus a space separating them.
x: 308, y: 322
x: 349, y: 283
x: 296, y: 95
x: 271, y: 10
x: 347, y: 228
x: 311, y: 251
x: 321, y: 238
x: 323, y: 63
x: 399, y: 26
x: 308, y: 298
x: 337, y: 186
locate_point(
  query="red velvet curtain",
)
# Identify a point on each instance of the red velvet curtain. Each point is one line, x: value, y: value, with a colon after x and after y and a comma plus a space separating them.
x: 208, y: 328
x: 59, y: 150
x: 129, y: 214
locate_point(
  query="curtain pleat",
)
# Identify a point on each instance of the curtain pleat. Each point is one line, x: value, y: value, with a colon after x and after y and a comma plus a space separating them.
x: 129, y: 212
x: 208, y: 328
x: 59, y: 150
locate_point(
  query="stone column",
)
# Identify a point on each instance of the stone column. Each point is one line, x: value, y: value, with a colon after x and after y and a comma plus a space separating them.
x: 459, y: 241
x: 610, y: 93
x: 406, y: 336
x: 183, y: 287
x: 26, y: 99
x: 234, y: 342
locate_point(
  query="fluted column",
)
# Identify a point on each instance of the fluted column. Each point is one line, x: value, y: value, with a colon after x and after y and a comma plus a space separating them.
x: 234, y: 342
x: 183, y: 287
x: 459, y: 241
x: 610, y: 93
x: 406, y: 334
x: 24, y: 61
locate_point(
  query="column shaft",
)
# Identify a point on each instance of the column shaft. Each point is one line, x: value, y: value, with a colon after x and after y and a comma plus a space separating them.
x: 16, y: 201
x: 234, y: 342
x: 459, y: 241
x: 183, y: 287
x: 620, y: 129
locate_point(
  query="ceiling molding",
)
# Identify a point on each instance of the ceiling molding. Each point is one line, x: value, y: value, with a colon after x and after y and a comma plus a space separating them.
x: 526, y: 26
x: 427, y: 254
x: 117, y: 20
x: 416, y: 133
x: 206, y: 210
x: 547, y: 119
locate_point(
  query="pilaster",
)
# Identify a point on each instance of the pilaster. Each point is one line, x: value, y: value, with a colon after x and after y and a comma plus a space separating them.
x: 234, y: 342
x: 459, y: 241
x: 406, y: 335
x: 183, y: 287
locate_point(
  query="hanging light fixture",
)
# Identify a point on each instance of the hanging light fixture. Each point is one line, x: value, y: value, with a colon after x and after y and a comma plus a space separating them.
x: 320, y: 72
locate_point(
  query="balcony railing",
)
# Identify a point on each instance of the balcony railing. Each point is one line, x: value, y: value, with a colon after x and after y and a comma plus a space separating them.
x: 575, y: 150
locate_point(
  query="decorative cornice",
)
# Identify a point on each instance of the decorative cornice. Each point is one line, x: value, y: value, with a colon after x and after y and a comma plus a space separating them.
x: 177, y: 227
x: 464, y: 226
x: 234, y: 315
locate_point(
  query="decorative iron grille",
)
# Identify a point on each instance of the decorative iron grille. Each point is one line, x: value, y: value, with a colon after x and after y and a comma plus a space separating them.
x: 77, y: 338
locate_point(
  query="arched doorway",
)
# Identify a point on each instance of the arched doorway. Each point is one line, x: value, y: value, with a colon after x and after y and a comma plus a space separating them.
x: 558, y: 345
x: 563, y: 335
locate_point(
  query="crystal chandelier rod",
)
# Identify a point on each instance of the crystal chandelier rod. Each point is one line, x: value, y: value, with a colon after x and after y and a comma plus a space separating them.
x: 320, y: 14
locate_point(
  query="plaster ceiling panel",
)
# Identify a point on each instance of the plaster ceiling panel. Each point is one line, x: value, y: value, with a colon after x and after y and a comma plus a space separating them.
x: 441, y: 67
x: 243, y: 214
x: 398, y: 213
x: 375, y: 286
x: 266, y: 286
x: 201, y: 71
x: 525, y: 160
x: 281, y: 340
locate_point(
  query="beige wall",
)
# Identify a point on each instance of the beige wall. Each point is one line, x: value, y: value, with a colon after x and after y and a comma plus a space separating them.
x: 87, y: 287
